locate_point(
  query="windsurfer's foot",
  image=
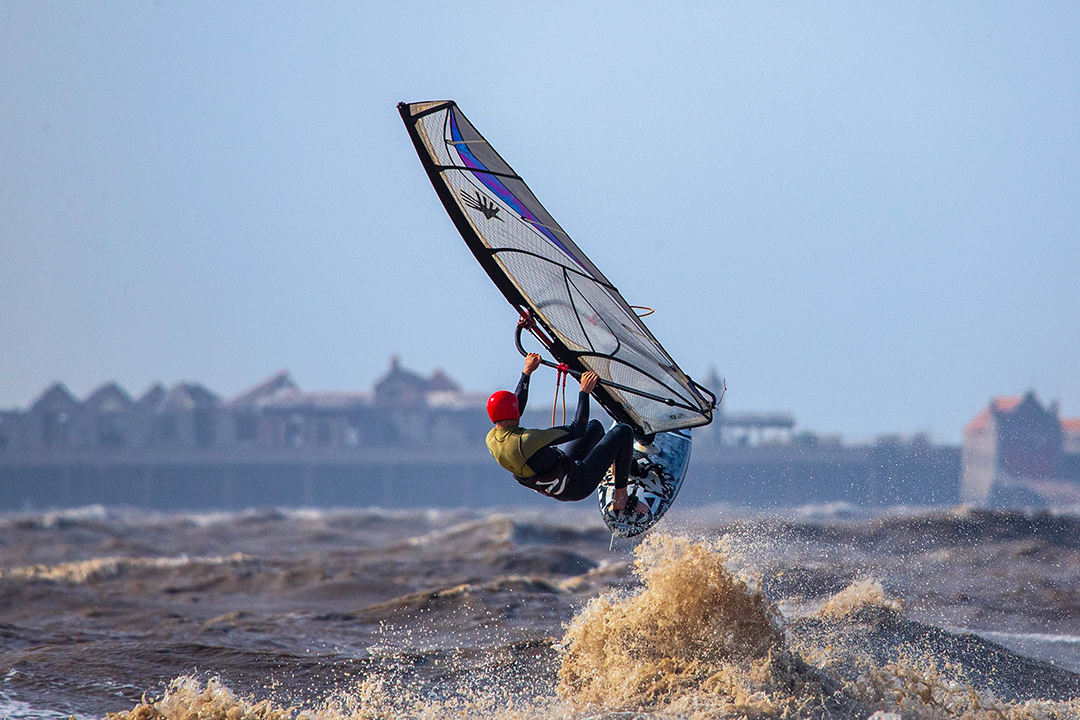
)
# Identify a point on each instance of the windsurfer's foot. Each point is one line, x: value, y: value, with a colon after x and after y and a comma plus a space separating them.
x: 618, y: 504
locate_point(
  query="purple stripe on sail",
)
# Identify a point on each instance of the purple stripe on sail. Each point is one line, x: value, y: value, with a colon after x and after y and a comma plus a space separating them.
x: 493, y: 183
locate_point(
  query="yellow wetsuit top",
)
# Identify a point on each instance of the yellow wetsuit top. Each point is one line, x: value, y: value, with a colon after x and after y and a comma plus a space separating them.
x: 514, y: 446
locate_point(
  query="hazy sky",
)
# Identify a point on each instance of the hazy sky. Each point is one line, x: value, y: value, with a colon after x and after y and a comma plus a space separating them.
x: 866, y: 214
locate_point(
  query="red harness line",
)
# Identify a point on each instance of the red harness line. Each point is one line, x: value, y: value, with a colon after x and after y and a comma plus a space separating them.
x: 529, y: 323
x: 563, y: 372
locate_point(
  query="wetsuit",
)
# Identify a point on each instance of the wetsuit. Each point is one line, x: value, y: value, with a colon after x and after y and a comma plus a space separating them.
x: 570, y: 474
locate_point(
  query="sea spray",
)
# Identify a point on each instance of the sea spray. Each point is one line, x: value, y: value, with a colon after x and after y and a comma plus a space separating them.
x: 372, y: 698
x: 187, y: 698
x: 860, y: 595
x: 695, y: 638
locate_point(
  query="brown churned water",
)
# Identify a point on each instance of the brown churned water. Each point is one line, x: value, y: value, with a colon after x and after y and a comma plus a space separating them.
x: 374, y: 614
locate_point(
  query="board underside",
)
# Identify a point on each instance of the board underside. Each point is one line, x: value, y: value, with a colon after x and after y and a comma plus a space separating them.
x: 666, y: 461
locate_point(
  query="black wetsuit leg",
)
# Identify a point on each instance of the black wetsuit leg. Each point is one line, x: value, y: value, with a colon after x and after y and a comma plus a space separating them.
x: 580, y: 448
x: 616, y: 447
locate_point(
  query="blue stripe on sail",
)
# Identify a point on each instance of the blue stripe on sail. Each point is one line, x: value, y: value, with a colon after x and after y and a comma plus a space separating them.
x: 501, y: 191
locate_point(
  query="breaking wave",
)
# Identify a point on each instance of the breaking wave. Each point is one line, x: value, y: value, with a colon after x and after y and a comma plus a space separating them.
x: 85, y: 571
x: 695, y: 638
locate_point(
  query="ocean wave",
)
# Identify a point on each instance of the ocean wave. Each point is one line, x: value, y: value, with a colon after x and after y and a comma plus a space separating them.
x: 692, y: 640
x: 87, y: 571
x: 363, y: 613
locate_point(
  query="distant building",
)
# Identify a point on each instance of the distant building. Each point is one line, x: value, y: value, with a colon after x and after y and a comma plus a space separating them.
x: 184, y: 446
x: 105, y: 419
x: 1070, y: 436
x: 401, y: 388
x: 405, y: 408
x: 1017, y: 451
x: 48, y: 424
x: 250, y: 426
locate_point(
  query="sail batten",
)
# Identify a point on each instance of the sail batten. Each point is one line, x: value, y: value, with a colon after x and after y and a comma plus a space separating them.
x: 478, y: 170
x: 539, y: 268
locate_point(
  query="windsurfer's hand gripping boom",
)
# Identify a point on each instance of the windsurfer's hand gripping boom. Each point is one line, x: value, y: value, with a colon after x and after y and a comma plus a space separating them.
x: 532, y: 361
x: 588, y: 382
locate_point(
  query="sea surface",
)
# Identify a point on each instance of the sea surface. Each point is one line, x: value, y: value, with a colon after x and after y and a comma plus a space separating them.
x: 816, y: 612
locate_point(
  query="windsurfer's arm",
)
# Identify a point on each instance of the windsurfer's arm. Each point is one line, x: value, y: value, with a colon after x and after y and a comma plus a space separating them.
x: 581, y: 419
x: 532, y: 361
x: 522, y: 392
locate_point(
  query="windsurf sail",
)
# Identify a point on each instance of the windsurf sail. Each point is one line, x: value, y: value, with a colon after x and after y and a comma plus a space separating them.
x: 586, y: 323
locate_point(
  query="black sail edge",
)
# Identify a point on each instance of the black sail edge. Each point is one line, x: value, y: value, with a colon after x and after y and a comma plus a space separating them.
x: 485, y: 257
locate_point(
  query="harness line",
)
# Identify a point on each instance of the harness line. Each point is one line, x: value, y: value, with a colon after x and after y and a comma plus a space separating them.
x: 563, y: 371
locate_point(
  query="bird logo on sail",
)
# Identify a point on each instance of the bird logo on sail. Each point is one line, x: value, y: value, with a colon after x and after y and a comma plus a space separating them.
x: 484, y: 204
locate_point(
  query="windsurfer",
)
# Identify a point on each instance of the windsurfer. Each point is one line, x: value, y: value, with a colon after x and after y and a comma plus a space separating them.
x: 570, y: 474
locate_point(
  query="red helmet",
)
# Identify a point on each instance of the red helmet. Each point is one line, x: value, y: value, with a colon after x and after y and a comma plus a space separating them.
x: 503, y: 405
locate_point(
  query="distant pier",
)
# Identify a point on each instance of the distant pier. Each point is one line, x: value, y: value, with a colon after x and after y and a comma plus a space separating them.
x: 418, y: 441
